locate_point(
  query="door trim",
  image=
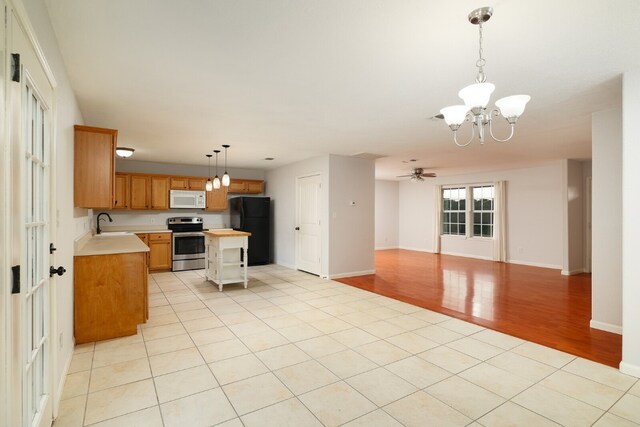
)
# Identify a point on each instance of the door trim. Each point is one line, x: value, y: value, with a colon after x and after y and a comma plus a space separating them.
x: 323, y: 262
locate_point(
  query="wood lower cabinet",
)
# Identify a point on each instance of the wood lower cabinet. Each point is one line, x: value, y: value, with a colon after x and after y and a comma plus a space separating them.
x: 217, y: 199
x: 94, y: 167
x: 121, y: 199
x: 110, y: 295
x: 246, y: 186
x: 159, y: 250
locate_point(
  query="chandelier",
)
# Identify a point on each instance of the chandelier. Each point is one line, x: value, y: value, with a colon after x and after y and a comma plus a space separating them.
x: 476, y: 97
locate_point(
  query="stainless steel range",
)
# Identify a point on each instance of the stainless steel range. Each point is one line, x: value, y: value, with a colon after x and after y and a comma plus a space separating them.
x: 188, y: 243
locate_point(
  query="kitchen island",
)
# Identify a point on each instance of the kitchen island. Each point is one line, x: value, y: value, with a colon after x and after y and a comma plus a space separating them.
x: 226, y: 256
x: 110, y: 287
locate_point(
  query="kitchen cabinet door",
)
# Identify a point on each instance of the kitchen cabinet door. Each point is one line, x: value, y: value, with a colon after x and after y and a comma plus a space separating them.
x: 217, y: 199
x: 197, y: 184
x: 237, y: 186
x: 254, y: 187
x: 121, y: 199
x: 179, y: 183
x: 94, y: 167
x: 139, y: 192
x: 160, y: 254
x: 159, y: 192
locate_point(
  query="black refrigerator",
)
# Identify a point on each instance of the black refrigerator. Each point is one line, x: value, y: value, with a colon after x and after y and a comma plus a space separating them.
x: 252, y: 214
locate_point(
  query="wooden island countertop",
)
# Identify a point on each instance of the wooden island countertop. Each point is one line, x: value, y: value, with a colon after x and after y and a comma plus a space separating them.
x: 226, y: 233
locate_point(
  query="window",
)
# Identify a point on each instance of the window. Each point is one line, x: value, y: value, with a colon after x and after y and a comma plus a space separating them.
x: 454, y: 211
x: 483, y: 211
x: 455, y: 201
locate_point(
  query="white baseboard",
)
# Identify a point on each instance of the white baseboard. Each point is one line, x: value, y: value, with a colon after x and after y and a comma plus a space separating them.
x: 383, y: 248
x: 572, y: 272
x: 284, y: 264
x: 534, y: 264
x: 629, y: 369
x: 607, y: 327
x: 351, y: 274
x: 468, y: 255
x: 406, y: 248
x: 63, y: 377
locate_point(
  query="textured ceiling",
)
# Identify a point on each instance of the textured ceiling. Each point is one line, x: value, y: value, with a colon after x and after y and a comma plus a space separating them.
x: 295, y: 79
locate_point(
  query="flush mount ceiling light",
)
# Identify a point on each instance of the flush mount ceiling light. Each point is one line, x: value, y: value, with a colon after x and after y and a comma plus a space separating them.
x: 476, y: 97
x: 226, y: 180
x: 216, y: 180
x: 124, y: 152
x: 209, y: 185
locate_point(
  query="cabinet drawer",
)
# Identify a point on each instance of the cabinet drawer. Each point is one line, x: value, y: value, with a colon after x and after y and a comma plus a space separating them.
x: 159, y: 237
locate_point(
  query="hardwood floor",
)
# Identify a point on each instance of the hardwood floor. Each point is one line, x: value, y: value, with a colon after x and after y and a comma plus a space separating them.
x: 536, y: 304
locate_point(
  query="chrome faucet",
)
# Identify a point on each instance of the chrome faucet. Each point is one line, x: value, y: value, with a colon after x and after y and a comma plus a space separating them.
x: 98, y: 230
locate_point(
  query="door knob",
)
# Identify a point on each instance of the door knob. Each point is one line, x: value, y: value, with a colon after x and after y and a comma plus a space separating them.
x: 59, y: 271
x: 297, y: 228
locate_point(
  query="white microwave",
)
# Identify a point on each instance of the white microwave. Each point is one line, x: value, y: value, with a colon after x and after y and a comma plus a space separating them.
x: 183, y: 199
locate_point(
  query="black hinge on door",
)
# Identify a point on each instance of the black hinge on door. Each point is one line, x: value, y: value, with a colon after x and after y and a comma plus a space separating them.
x: 15, y: 288
x: 15, y: 67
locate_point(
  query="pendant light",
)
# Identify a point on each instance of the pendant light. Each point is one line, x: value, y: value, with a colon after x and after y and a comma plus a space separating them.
x: 226, y: 180
x: 209, y: 185
x: 476, y: 97
x: 216, y: 180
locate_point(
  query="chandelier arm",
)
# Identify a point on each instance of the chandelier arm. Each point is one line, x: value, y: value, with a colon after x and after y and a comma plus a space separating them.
x: 455, y: 136
x: 513, y: 128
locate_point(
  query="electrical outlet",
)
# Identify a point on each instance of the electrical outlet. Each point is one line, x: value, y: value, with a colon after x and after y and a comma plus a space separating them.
x: 152, y: 220
x: 60, y: 340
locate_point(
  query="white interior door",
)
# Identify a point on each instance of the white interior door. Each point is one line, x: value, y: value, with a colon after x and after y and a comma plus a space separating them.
x: 31, y: 101
x: 308, y: 229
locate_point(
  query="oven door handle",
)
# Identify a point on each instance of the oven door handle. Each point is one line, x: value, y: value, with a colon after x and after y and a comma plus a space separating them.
x: 195, y: 233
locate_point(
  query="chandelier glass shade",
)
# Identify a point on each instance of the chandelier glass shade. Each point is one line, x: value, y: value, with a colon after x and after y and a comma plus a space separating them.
x: 476, y: 97
x: 226, y: 179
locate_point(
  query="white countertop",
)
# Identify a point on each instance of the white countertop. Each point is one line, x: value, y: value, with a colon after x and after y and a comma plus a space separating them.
x: 137, y: 228
x: 106, y: 245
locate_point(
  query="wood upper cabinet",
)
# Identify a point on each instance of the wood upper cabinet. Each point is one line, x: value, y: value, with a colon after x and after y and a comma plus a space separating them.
x: 217, y: 199
x: 197, y: 184
x: 159, y: 192
x: 246, y: 186
x: 160, y: 251
x: 149, y: 192
x: 139, y: 194
x: 121, y: 198
x: 179, y: 183
x: 187, y: 183
x: 94, y: 167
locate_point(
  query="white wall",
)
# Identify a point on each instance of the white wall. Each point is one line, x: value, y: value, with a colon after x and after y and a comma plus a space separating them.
x: 352, y: 227
x: 281, y: 187
x: 415, y: 215
x: 70, y: 222
x: 630, y: 225
x: 573, y: 217
x: 606, y: 279
x: 534, y: 216
x: 386, y: 215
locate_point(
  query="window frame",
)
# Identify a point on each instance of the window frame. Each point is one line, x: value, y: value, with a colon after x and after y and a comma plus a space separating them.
x: 469, y: 211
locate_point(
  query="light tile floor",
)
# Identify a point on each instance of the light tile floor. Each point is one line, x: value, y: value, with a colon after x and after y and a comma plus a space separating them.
x: 297, y: 350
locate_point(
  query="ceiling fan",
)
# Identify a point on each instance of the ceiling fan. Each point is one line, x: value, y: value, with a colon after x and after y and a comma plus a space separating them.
x: 418, y: 174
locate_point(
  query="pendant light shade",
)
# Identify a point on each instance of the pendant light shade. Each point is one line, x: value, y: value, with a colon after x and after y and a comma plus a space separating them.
x: 477, y: 95
x: 226, y: 179
x: 455, y: 114
x: 512, y: 106
x: 209, y: 185
x: 216, y: 180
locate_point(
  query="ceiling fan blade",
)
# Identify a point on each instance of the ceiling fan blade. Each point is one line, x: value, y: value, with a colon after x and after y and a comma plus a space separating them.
x: 429, y: 175
x: 404, y: 176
